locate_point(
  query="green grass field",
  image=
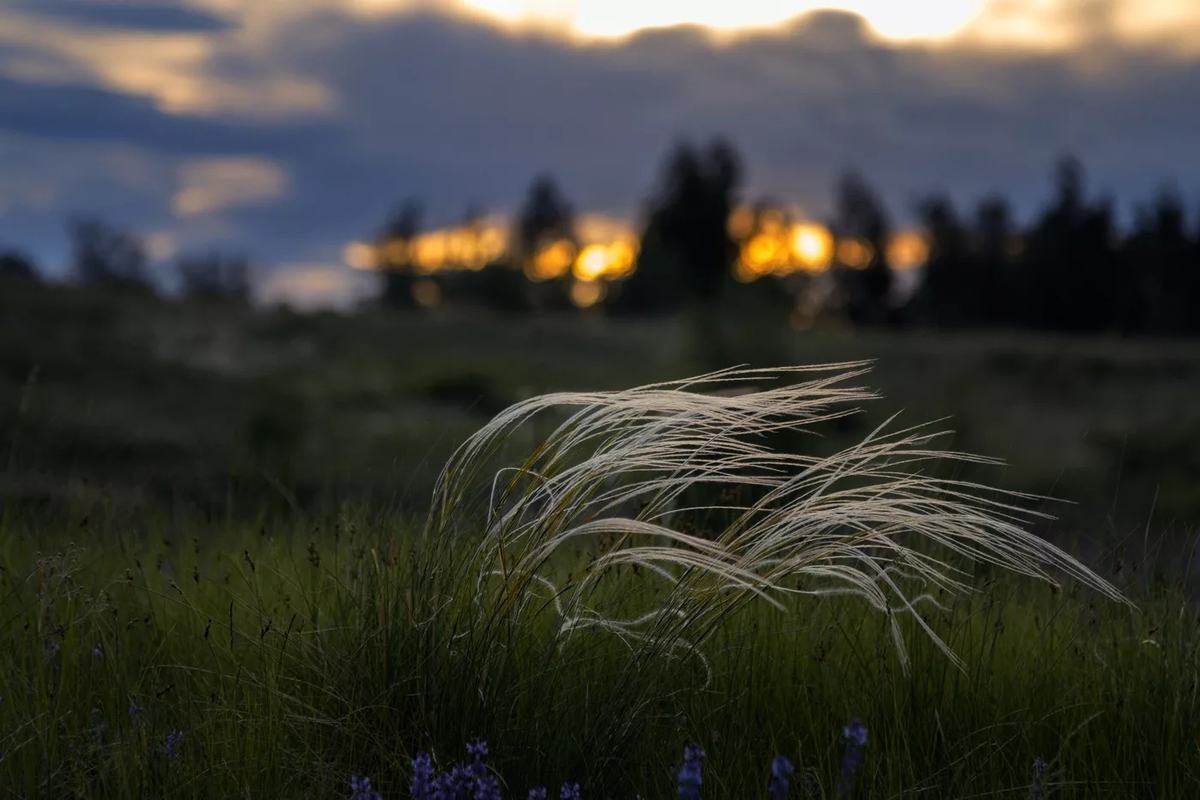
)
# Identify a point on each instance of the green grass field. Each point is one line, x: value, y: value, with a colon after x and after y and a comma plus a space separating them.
x: 289, y: 659
x: 214, y: 582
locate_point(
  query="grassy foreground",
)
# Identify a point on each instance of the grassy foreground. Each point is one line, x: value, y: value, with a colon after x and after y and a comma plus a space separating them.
x: 588, y: 611
x: 286, y: 657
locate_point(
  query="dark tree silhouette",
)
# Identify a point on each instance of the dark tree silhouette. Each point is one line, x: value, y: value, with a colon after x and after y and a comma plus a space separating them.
x: 497, y: 286
x: 994, y: 246
x: 691, y: 215
x: 15, y: 265
x: 1072, y: 278
x: 659, y: 283
x: 687, y: 232
x: 1191, y: 283
x: 861, y: 216
x: 1160, y: 257
x: 107, y: 256
x: 546, y: 219
x: 947, y: 295
x: 394, y: 250
x: 215, y: 276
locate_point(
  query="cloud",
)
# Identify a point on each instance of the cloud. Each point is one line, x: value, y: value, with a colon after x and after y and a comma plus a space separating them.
x: 215, y: 184
x: 1171, y: 25
x: 174, y: 70
x: 307, y: 287
x: 157, y: 16
x: 455, y: 111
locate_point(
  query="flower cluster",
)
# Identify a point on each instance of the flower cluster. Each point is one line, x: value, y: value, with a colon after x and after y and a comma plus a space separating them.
x: 361, y: 786
x: 690, y: 775
x: 474, y: 781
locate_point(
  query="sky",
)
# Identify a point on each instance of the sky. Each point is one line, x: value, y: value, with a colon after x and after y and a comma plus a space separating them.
x: 288, y: 128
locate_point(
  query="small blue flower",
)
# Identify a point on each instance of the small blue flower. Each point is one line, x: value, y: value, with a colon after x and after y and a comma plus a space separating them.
x: 422, y: 784
x: 484, y: 784
x: 441, y: 787
x: 135, y: 711
x: 856, y: 732
x: 459, y: 783
x: 856, y: 737
x: 98, y: 651
x: 361, y: 786
x: 537, y: 793
x: 781, y: 770
x: 174, y: 744
x: 690, y: 776
x: 486, y: 787
x: 570, y: 791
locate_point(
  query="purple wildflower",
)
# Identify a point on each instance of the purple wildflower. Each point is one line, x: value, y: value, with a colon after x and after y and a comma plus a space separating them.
x: 856, y: 737
x: 422, y: 784
x: 135, y: 711
x: 361, y: 786
x: 174, y: 744
x: 537, y: 793
x: 459, y: 783
x: 781, y: 770
x: 690, y: 777
x: 486, y: 787
x: 856, y: 732
x: 98, y: 651
x: 1036, y: 790
x: 570, y: 791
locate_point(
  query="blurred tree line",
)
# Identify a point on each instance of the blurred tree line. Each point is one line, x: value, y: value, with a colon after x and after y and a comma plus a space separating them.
x: 105, y: 255
x: 1071, y: 269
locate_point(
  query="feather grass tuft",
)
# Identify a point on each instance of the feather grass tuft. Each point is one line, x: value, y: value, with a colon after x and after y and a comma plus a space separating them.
x: 620, y: 473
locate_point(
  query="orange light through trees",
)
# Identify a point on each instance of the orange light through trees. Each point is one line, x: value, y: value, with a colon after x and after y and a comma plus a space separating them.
x: 854, y: 254
x: 426, y: 293
x: 769, y: 243
x: 585, y: 294
x: 552, y: 261
x: 359, y: 255
x: 812, y: 247
x: 908, y: 250
x: 592, y: 262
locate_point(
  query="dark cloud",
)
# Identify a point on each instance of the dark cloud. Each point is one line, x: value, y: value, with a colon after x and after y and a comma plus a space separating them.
x: 76, y: 112
x: 458, y: 112
x: 455, y: 111
x: 84, y: 112
x: 163, y: 16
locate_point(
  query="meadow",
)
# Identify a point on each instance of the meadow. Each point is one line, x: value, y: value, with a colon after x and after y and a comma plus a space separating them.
x: 231, y: 563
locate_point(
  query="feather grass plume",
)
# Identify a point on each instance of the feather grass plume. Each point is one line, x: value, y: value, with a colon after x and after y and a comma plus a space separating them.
x: 618, y: 472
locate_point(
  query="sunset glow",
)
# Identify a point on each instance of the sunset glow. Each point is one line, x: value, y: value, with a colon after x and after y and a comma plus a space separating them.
x: 606, y: 250
x: 613, y: 18
x: 1047, y: 24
